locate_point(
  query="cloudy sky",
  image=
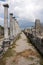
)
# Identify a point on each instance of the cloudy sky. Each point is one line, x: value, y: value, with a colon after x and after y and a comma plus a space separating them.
x: 25, y: 11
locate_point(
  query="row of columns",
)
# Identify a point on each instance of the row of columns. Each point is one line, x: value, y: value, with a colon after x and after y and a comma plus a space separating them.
x: 13, y: 25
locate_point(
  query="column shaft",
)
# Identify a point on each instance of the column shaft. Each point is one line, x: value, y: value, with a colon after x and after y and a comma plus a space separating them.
x: 14, y: 30
x: 11, y: 26
x: 6, y: 22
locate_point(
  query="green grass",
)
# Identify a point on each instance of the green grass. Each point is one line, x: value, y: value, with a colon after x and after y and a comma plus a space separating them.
x: 2, y: 62
x: 7, y: 54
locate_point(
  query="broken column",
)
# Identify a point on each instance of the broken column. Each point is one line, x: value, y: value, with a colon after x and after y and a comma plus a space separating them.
x: 11, y: 26
x: 38, y: 27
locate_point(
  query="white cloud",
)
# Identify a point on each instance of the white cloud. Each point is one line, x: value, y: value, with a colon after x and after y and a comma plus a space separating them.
x: 27, y: 9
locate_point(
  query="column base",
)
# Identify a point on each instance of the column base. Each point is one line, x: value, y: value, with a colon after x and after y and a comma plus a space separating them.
x: 12, y: 38
x: 6, y: 43
x: 6, y: 40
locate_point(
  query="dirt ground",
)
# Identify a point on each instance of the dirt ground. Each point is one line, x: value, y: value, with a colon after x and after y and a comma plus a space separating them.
x: 21, y: 53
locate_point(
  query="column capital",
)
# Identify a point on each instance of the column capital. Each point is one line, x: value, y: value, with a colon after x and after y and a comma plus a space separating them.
x: 11, y: 13
x: 14, y: 17
x: 6, y: 5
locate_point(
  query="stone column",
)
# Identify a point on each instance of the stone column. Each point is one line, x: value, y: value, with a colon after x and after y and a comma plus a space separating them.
x: 6, y: 41
x: 6, y: 6
x: 17, y: 28
x: 14, y: 29
x: 11, y: 26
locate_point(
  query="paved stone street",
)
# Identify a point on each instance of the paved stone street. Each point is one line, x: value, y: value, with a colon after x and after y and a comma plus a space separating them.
x: 21, y: 53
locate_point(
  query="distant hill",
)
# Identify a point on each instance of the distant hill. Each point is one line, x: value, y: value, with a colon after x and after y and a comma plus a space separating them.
x: 25, y: 24
x: 2, y: 0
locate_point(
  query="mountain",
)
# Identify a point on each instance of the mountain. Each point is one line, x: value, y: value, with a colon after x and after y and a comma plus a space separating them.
x: 25, y: 24
x: 2, y: 0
